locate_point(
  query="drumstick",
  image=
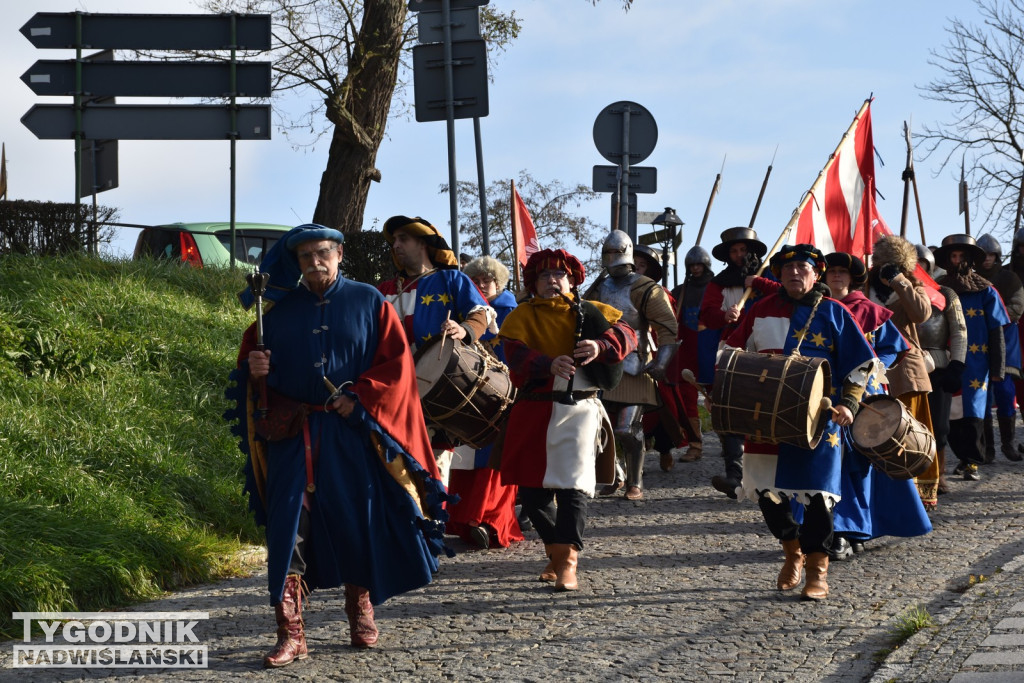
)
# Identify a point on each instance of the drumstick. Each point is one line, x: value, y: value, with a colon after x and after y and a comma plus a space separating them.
x: 688, y: 376
x: 444, y: 333
x: 876, y: 411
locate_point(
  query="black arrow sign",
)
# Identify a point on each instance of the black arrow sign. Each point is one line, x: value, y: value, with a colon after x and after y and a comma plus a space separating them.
x: 49, y: 30
x: 149, y: 79
x: 148, y: 122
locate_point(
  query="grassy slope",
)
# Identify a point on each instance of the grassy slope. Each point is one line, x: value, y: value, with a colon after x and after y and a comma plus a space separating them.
x: 118, y: 475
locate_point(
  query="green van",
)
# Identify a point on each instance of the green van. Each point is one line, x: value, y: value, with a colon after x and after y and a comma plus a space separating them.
x: 208, y: 244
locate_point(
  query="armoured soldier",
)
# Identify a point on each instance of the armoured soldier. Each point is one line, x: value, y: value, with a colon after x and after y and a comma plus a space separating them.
x: 741, y: 251
x: 646, y: 308
x: 1012, y: 292
x: 943, y: 337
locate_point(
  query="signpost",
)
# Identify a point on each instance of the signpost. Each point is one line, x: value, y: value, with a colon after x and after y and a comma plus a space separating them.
x: 104, y: 79
x: 625, y: 133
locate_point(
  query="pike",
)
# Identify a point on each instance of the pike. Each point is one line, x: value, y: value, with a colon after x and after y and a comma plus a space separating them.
x: 965, y: 207
x: 711, y: 199
x: 910, y: 179
x: 258, y: 286
x: 1020, y: 199
x: 764, y: 184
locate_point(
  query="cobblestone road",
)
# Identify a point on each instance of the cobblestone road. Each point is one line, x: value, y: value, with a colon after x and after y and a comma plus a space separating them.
x: 678, y: 586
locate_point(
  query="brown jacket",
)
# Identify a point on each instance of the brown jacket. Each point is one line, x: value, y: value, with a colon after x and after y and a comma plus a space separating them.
x: 909, y: 305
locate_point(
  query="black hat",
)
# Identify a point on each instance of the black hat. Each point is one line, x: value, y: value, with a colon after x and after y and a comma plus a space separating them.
x: 964, y: 243
x: 858, y: 272
x: 654, y: 269
x: 798, y: 252
x: 734, y: 235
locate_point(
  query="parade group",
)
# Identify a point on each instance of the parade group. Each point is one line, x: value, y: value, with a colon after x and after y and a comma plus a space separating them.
x: 358, y: 481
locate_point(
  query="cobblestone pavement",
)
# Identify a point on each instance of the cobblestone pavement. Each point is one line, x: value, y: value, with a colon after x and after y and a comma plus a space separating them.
x: 678, y: 586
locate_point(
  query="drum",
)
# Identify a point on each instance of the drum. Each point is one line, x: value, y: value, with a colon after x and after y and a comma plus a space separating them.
x: 892, y: 439
x: 465, y: 390
x: 771, y: 398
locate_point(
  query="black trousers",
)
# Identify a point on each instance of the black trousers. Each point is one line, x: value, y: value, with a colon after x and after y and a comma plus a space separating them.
x: 561, y: 523
x: 965, y: 439
x: 938, y: 405
x: 298, y: 562
x: 815, y: 533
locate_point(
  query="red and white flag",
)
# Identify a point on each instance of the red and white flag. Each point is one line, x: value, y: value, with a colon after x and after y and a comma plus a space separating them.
x: 524, y: 235
x: 840, y: 213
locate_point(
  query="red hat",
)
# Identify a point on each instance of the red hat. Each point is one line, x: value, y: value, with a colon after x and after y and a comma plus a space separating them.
x: 551, y: 259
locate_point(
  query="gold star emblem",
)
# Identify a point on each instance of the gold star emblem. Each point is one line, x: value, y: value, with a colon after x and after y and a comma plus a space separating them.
x: 875, y: 384
x: 972, y: 312
x: 833, y: 439
x: 973, y: 348
x: 427, y: 299
x: 871, y: 338
x: 818, y: 339
x: 976, y: 384
x: 798, y: 335
x: 444, y: 298
x: 984, y: 348
x: 428, y: 337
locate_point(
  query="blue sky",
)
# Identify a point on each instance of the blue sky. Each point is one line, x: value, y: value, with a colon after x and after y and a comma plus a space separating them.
x: 722, y: 78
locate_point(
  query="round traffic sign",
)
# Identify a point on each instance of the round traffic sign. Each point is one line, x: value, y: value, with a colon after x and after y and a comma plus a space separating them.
x: 608, y: 132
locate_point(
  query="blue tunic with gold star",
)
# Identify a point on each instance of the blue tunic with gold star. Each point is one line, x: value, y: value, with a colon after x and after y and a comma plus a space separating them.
x: 776, y: 324
x: 985, y: 314
x: 424, y: 303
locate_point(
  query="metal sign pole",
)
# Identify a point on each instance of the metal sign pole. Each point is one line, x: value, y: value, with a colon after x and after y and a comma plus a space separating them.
x: 449, y: 103
x: 624, y: 179
x: 79, y: 133
x: 234, y: 132
x: 485, y: 237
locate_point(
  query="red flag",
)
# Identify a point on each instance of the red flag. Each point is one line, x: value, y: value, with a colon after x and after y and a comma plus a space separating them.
x: 841, y: 213
x: 524, y: 235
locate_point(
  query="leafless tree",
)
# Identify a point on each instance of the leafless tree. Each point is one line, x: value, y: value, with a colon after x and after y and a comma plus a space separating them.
x: 982, y: 68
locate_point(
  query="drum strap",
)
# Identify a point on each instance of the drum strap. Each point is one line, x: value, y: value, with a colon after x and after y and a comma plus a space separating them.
x: 807, y: 327
x: 555, y: 395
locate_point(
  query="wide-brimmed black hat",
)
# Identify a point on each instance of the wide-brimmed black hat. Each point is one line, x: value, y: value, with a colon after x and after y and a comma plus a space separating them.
x: 654, y: 268
x: 734, y: 235
x: 858, y: 271
x: 964, y: 243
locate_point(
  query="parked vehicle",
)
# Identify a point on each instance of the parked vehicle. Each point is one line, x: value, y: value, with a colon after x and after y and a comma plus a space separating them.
x: 208, y: 244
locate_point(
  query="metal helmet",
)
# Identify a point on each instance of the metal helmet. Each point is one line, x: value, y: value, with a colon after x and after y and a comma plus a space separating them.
x: 991, y: 246
x: 617, y: 250
x: 699, y: 255
x: 925, y: 254
x: 655, y: 271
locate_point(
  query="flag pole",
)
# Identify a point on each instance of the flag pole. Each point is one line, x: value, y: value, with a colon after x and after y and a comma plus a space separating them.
x: 816, y: 186
x: 711, y: 199
x: 513, y: 215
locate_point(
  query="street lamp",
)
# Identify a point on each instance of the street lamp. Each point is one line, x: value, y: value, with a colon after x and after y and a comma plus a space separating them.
x: 671, y: 221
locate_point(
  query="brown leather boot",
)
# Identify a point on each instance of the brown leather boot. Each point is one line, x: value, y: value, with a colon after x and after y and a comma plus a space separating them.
x: 548, y: 574
x: 816, y: 587
x: 291, y: 636
x: 789, y: 577
x: 666, y: 461
x: 361, y: 627
x: 565, y: 557
x: 695, y: 450
x: 940, y: 454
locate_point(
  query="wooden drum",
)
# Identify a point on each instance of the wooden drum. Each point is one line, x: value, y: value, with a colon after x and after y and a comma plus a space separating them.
x: 771, y: 398
x: 892, y: 439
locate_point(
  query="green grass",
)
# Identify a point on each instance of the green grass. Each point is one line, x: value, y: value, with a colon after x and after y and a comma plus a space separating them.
x: 119, y: 479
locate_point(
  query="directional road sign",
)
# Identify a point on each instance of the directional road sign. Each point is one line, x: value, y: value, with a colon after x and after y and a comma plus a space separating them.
x: 56, y: 30
x: 642, y: 179
x: 99, y: 166
x: 435, y: 5
x: 149, y: 122
x: 150, y: 79
x: 469, y: 80
x: 465, y: 25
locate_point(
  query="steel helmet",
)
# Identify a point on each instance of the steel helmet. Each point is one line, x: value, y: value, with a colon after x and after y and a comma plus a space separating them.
x: 991, y: 246
x: 617, y: 250
x: 925, y: 254
x: 697, y: 255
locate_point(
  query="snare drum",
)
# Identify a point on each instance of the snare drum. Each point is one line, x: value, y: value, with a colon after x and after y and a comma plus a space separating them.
x: 465, y: 390
x: 772, y: 398
x: 892, y: 439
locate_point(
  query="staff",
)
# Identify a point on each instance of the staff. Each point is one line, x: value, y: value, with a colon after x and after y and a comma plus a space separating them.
x: 258, y: 286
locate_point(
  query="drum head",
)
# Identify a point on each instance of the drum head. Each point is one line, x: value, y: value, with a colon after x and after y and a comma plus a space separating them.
x: 431, y: 362
x: 872, y: 428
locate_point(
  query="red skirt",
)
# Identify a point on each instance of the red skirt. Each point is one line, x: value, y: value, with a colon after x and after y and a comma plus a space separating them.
x: 483, y: 500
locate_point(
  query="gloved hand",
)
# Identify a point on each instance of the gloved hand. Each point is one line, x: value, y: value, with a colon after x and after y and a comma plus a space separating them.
x: 888, y: 272
x: 657, y: 368
x: 952, y: 376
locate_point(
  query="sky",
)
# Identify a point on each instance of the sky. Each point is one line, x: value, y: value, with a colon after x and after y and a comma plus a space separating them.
x: 723, y: 79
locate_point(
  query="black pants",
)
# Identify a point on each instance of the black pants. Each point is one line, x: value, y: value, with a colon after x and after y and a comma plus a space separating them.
x: 562, y: 523
x: 965, y: 439
x: 732, y: 453
x: 938, y: 405
x: 815, y: 533
x: 298, y: 562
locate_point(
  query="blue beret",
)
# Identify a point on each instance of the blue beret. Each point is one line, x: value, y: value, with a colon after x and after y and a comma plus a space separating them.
x: 312, y: 231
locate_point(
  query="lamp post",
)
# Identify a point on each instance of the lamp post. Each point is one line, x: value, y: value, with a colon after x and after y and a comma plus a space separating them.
x: 668, y: 219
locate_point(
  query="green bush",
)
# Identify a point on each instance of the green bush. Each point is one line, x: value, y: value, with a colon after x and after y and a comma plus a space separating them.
x: 119, y: 478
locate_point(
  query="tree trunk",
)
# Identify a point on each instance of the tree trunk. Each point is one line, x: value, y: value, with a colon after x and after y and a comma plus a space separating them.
x: 359, y: 111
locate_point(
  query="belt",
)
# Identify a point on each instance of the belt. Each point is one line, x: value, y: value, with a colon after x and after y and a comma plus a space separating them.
x: 556, y: 395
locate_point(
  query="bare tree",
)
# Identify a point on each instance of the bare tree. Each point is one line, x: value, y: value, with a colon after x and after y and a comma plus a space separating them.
x: 982, y: 67
x: 550, y: 205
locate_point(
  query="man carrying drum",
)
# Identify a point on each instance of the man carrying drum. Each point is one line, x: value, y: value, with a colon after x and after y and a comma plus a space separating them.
x: 434, y: 299
x: 800, y: 320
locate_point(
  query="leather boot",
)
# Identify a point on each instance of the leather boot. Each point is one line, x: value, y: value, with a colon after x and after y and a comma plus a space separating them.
x: 1006, y: 429
x: 941, y: 456
x: 291, y: 635
x: 989, y: 439
x: 789, y: 577
x: 816, y: 587
x: 548, y: 574
x: 361, y: 627
x: 565, y: 557
x: 695, y: 449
